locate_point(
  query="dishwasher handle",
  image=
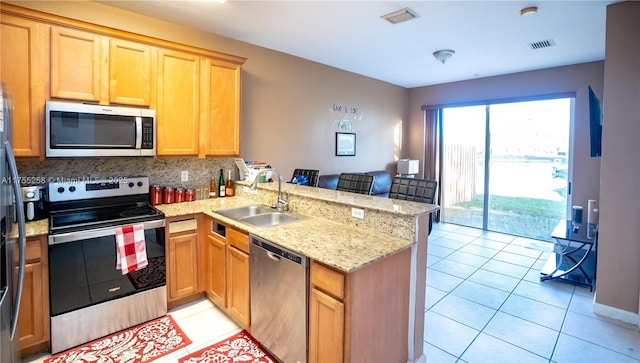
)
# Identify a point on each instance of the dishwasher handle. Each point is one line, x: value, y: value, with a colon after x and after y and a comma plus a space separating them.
x: 273, y: 256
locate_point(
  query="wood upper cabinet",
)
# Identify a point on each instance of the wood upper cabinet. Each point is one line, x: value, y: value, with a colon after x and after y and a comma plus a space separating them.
x: 33, y: 320
x: 132, y: 72
x: 90, y: 67
x: 76, y: 64
x: 24, y: 61
x: 178, y: 108
x: 221, y: 104
x: 182, y: 259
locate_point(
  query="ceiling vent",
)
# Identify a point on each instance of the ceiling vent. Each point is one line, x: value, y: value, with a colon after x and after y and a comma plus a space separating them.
x: 542, y: 44
x: 400, y: 16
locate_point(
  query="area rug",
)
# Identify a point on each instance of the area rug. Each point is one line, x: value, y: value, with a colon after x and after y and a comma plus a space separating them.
x: 143, y: 343
x: 240, y: 347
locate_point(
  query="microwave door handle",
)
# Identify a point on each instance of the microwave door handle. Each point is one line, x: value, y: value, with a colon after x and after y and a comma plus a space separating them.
x: 138, y: 132
x: 22, y: 235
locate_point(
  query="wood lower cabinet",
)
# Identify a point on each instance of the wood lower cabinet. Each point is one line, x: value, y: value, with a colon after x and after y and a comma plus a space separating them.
x: 238, y: 298
x: 326, y: 328
x: 24, y: 65
x: 226, y: 274
x: 215, y: 268
x: 33, y: 320
x: 360, y: 316
x: 182, y: 260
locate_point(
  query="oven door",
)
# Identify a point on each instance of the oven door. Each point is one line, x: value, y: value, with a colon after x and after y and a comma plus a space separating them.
x: 82, y: 267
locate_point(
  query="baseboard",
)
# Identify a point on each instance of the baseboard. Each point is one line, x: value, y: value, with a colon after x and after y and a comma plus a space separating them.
x: 615, y: 313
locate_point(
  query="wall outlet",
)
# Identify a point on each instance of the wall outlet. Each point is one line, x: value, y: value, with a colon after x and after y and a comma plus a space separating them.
x: 184, y: 176
x: 357, y: 213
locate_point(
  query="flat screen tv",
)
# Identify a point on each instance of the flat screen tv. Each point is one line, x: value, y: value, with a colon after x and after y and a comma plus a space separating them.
x: 595, y: 124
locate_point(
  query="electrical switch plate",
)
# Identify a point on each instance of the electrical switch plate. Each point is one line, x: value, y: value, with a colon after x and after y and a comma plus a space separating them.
x: 184, y: 176
x: 357, y: 213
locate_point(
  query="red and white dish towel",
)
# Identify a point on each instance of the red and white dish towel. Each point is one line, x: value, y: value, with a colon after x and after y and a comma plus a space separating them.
x: 131, y: 248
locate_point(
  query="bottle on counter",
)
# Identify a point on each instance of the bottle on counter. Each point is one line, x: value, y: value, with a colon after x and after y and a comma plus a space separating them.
x: 228, y: 187
x: 221, y: 187
x: 213, y: 188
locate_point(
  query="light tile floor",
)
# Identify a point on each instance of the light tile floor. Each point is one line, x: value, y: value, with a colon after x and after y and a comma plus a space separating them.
x: 485, y: 303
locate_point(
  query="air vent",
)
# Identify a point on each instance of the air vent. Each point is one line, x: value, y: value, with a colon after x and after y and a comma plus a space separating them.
x: 542, y: 44
x: 400, y: 16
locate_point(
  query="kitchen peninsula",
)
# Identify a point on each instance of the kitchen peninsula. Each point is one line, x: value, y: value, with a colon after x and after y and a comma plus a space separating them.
x: 379, y: 263
x: 367, y: 276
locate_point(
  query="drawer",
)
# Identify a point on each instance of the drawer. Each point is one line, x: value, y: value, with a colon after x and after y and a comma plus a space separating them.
x: 183, y: 226
x: 327, y: 280
x: 238, y: 239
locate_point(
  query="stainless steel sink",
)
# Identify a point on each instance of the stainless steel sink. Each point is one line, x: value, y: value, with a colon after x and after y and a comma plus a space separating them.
x: 242, y: 212
x: 269, y: 219
x: 259, y: 216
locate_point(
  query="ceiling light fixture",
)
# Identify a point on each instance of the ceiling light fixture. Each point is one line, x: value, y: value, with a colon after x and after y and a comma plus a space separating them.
x: 400, y: 16
x: 529, y: 11
x: 443, y: 55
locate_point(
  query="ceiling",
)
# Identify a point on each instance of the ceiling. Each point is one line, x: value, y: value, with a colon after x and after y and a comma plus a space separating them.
x: 489, y: 37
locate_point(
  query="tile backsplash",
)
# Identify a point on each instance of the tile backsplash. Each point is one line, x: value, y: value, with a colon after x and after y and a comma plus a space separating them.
x: 165, y: 172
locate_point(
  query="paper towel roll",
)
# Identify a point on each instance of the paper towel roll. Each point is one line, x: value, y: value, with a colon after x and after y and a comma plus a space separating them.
x: 592, y: 212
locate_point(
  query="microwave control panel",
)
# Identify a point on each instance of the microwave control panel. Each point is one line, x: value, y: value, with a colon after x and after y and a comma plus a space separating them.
x: 147, y: 133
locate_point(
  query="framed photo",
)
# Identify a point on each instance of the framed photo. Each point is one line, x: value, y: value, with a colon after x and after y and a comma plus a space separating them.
x: 345, y: 144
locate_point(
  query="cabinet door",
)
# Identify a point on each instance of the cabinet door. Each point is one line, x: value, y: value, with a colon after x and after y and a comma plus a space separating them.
x: 178, y: 112
x: 222, y: 114
x: 326, y: 328
x: 130, y: 72
x: 182, y: 278
x: 238, y: 303
x: 23, y: 66
x: 31, y: 317
x: 76, y: 57
x: 216, y: 270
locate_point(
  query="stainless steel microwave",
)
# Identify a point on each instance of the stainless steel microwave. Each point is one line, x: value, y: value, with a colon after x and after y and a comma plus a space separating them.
x: 82, y: 130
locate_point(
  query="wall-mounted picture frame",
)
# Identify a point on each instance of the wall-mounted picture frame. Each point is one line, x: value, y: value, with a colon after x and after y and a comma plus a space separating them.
x: 345, y: 144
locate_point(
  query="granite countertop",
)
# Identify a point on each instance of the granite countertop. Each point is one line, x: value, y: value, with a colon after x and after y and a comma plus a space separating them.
x: 343, y: 247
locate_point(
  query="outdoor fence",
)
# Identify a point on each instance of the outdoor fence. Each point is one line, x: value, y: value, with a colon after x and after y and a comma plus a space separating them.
x: 459, y: 174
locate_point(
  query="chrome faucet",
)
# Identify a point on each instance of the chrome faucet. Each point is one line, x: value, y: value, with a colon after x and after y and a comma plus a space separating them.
x: 282, y: 205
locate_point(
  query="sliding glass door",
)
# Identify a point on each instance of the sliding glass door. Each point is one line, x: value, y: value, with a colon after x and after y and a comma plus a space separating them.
x: 520, y: 185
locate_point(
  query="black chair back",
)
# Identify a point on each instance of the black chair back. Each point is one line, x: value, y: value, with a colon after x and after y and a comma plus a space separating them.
x: 355, y: 183
x: 310, y: 174
x: 415, y: 190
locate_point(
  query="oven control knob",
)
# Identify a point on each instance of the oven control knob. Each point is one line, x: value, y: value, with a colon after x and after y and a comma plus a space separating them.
x: 72, y: 189
x: 60, y: 190
x: 139, y: 183
x: 131, y: 184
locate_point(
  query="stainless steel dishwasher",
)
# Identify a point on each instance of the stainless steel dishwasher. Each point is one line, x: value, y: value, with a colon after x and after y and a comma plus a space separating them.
x: 279, y: 291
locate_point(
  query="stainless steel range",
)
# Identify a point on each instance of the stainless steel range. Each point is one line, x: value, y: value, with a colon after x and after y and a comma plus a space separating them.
x: 89, y: 297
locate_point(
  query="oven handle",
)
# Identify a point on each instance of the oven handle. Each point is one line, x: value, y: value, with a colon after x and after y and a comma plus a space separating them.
x: 55, y: 239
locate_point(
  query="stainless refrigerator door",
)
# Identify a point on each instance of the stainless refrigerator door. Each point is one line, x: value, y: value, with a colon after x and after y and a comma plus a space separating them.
x: 22, y: 240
